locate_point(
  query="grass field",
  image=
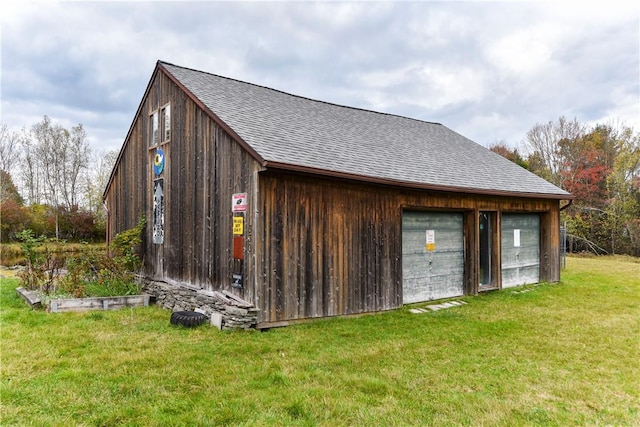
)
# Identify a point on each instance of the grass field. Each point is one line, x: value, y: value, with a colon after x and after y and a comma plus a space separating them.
x: 559, y: 354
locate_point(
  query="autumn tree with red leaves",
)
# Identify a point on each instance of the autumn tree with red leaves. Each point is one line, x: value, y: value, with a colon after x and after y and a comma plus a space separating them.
x: 600, y: 167
x: 13, y: 215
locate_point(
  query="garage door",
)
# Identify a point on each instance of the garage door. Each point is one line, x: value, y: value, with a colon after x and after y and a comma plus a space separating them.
x: 520, y: 249
x: 432, y: 256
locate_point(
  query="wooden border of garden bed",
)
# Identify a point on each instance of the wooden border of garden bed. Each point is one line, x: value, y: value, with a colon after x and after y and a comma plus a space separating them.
x: 30, y: 298
x: 98, y: 303
x: 85, y: 304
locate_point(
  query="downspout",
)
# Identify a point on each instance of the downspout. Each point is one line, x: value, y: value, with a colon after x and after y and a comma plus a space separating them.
x: 561, y: 259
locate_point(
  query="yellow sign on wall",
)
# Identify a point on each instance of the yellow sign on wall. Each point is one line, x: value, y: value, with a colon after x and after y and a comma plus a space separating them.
x: 431, y: 240
x: 238, y: 225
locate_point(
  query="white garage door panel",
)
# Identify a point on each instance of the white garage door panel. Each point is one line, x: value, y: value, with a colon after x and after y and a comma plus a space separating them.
x: 520, y: 264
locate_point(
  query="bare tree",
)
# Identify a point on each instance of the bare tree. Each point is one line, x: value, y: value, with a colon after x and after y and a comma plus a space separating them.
x: 76, y: 161
x: 31, y: 169
x: 97, y: 181
x: 9, y: 149
x: 543, y: 141
x: 64, y: 155
x: 48, y: 143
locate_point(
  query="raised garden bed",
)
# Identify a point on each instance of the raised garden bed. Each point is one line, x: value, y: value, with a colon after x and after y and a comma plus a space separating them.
x: 30, y: 298
x: 84, y: 304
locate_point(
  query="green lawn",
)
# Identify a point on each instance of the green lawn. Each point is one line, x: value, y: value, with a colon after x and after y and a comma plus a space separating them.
x: 562, y: 354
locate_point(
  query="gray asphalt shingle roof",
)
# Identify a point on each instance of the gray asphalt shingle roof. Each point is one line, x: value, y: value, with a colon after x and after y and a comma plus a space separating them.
x: 301, y: 132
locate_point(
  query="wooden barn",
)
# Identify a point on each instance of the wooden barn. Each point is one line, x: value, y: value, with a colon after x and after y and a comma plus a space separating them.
x: 308, y: 209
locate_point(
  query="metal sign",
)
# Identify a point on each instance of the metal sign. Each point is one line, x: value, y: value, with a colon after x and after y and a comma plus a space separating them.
x: 236, y: 280
x: 158, y: 211
x: 238, y: 226
x: 431, y: 240
x: 239, y: 202
x: 158, y: 162
x: 238, y: 248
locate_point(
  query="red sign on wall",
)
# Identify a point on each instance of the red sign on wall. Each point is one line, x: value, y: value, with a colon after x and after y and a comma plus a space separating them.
x: 238, y: 247
x: 239, y: 202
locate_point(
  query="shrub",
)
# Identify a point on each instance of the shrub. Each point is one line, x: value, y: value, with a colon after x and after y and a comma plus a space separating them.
x: 93, y: 273
x: 125, y: 246
x: 98, y: 273
x: 14, y: 216
x: 32, y: 274
x: 42, y: 268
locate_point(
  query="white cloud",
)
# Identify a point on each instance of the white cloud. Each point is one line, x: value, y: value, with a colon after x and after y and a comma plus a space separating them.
x: 489, y: 70
x: 523, y: 53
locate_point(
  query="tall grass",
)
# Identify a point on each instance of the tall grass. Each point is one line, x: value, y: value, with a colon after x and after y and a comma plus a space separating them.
x: 563, y: 354
x: 11, y: 253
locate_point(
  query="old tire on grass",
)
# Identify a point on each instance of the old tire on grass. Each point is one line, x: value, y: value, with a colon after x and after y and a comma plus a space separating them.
x: 188, y: 319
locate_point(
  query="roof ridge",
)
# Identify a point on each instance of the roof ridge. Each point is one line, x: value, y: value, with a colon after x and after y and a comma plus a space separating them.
x: 300, y: 96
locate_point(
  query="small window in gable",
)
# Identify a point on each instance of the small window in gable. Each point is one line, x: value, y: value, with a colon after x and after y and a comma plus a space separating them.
x: 153, y: 129
x: 165, y: 123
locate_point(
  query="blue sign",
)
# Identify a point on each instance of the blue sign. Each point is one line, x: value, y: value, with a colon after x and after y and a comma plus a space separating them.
x: 158, y: 162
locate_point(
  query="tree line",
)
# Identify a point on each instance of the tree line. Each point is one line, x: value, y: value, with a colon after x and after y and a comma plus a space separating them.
x: 51, y: 182
x: 600, y: 166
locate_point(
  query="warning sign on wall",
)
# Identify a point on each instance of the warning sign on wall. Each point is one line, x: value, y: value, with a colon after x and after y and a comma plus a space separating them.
x: 239, y: 202
x: 431, y: 240
x: 238, y: 225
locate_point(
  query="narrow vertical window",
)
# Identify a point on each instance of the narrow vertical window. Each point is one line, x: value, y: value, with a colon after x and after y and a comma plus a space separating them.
x: 165, y: 122
x: 153, y: 129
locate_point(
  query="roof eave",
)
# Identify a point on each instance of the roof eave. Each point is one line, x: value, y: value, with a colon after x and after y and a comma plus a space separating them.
x: 278, y: 166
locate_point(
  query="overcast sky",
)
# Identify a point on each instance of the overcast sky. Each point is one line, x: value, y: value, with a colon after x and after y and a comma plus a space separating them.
x: 488, y: 70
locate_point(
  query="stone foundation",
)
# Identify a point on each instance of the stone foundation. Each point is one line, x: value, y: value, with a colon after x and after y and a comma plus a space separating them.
x: 225, y: 310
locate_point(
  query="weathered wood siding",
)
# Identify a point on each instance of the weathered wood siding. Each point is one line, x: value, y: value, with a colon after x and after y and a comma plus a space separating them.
x: 320, y: 255
x: 330, y: 247
x: 204, y: 166
x: 126, y: 198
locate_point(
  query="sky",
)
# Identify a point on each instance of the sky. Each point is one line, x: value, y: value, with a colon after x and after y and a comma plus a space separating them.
x: 488, y: 70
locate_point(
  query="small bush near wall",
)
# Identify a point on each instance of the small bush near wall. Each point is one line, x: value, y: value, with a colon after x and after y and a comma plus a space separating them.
x: 94, y: 273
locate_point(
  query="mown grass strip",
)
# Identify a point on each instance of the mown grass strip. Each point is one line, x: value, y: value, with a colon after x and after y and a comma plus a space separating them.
x: 563, y: 354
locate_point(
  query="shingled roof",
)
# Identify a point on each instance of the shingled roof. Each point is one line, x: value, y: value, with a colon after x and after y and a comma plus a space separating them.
x: 286, y: 131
